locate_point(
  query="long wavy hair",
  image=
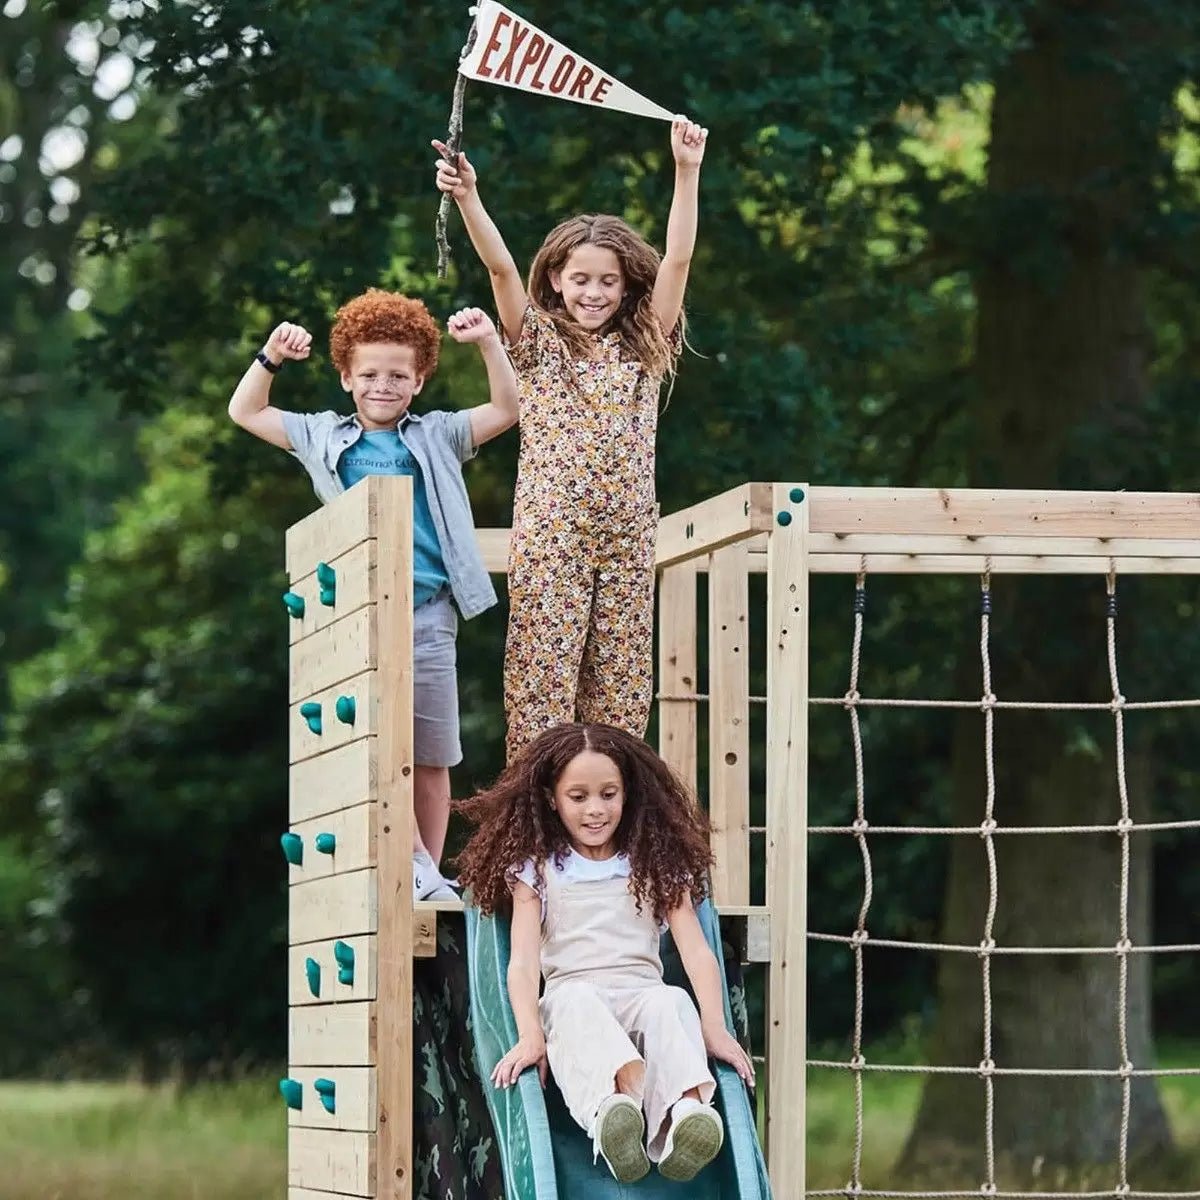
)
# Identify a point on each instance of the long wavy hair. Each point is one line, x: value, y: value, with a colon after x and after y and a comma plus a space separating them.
x: 662, y: 829
x: 643, y: 338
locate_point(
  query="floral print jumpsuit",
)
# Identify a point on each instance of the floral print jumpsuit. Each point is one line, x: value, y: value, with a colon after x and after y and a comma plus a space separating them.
x: 581, y: 567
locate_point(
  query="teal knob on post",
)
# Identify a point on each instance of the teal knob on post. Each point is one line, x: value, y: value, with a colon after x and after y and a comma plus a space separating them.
x: 345, y: 709
x: 292, y: 1092
x: 311, y: 712
x: 326, y: 843
x: 327, y: 582
x: 312, y: 972
x: 327, y: 1090
x: 295, y: 604
x: 784, y: 517
x: 343, y: 954
x: 293, y: 848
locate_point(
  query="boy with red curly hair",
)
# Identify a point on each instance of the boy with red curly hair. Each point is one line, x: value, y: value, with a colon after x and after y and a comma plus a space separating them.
x: 384, y: 347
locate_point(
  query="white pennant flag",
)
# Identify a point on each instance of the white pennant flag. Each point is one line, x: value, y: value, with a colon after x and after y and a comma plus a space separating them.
x: 511, y: 52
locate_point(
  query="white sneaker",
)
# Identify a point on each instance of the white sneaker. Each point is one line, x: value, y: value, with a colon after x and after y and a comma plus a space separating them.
x: 693, y: 1140
x: 619, y: 1135
x: 428, y: 882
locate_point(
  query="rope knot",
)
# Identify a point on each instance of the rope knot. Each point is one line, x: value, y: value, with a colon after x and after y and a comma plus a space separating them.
x: 1118, y: 702
x: 1122, y: 1189
x: 859, y: 938
x: 851, y: 698
x: 1126, y: 1069
x: 853, y: 1188
x: 987, y: 1189
x: 1125, y: 824
x: 858, y: 1062
x: 988, y: 701
x: 860, y: 825
x: 987, y: 1069
x: 1124, y: 946
x: 988, y: 827
x: 986, y: 947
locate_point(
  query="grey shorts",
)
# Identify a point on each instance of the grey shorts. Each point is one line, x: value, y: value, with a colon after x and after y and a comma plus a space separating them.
x: 435, y: 684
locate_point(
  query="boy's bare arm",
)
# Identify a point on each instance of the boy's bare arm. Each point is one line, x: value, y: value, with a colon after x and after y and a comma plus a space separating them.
x: 250, y: 406
x: 500, y: 412
x: 461, y: 182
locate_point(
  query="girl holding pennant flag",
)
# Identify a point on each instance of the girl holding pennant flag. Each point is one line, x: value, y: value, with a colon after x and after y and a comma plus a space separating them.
x: 592, y: 337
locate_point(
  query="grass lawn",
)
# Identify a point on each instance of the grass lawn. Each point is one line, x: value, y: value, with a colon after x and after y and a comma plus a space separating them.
x: 120, y: 1141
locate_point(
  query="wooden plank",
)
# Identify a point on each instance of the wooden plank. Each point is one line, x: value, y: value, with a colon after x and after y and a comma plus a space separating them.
x: 353, y: 1098
x: 295, y: 1193
x: 704, y: 527
x: 338, y: 652
x: 974, y: 564
x: 340, y: 778
x: 1035, y: 544
x: 493, y: 547
x: 332, y: 1035
x: 424, y: 944
x: 330, y: 531
x: 353, y: 830
x: 729, y: 723
x: 362, y: 689
x: 330, y: 990
x: 394, y: 1175
x: 958, y: 511
x: 354, y: 574
x: 758, y: 938
x: 677, y: 669
x: 336, y: 907
x: 332, y: 1160
x: 787, y: 842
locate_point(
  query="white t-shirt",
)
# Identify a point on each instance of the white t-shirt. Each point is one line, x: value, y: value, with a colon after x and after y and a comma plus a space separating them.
x: 574, y: 868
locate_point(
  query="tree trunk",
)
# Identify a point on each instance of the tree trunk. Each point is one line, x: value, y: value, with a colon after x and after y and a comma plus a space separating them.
x: 1062, y: 372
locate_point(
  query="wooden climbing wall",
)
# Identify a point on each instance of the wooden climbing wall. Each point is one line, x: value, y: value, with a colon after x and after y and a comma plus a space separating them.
x: 349, y: 843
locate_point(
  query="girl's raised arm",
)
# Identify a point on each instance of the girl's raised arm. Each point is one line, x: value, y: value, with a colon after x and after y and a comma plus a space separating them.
x: 460, y: 181
x: 687, y: 145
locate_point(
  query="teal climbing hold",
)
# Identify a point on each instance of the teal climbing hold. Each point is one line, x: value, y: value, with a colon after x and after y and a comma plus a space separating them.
x: 292, y: 1092
x: 294, y: 603
x: 312, y: 972
x: 327, y: 1090
x: 326, y: 843
x: 784, y: 518
x: 343, y: 954
x: 293, y: 848
x: 327, y: 582
x: 797, y: 495
x: 311, y: 712
x: 345, y: 709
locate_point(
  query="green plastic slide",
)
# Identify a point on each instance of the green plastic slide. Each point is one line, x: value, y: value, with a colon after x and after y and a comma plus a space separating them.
x: 545, y: 1155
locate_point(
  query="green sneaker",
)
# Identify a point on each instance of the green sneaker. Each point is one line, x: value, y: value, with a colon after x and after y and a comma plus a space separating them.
x: 693, y: 1141
x: 619, y: 1136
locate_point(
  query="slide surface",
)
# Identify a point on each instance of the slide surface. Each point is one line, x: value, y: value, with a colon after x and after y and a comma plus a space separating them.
x: 545, y: 1155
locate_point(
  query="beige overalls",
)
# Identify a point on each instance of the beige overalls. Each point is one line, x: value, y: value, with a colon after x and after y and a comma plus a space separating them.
x: 605, y: 1005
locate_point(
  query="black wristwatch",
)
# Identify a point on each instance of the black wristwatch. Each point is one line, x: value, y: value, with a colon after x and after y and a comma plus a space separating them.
x: 266, y: 362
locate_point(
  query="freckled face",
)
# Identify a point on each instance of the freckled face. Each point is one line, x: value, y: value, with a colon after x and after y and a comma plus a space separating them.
x: 590, y: 798
x: 383, y: 380
x: 592, y: 285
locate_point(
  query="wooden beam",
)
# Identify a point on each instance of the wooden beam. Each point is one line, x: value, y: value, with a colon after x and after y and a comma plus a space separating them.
x: 331, y: 530
x: 705, y: 527
x: 333, y: 780
x: 332, y: 1035
x: 975, y: 564
x: 1026, y: 544
x: 493, y: 548
x: 354, y: 1098
x: 729, y: 723
x: 330, y: 1160
x: 333, y: 907
x: 353, y: 831
x: 330, y: 989
x: 677, y: 669
x: 787, y: 842
x: 959, y: 511
x: 336, y: 653
x: 394, y: 1175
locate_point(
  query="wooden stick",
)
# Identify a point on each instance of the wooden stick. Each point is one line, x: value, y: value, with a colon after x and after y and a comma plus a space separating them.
x: 453, y: 145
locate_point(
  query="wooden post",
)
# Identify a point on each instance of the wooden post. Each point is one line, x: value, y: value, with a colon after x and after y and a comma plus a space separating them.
x: 787, y: 840
x: 394, y: 1171
x: 729, y: 723
x: 677, y: 669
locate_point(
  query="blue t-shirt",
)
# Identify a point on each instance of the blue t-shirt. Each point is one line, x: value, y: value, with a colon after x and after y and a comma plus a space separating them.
x: 383, y: 452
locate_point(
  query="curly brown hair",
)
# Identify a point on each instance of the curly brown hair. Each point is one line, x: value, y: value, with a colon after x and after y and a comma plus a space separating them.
x: 662, y: 829
x: 643, y: 339
x: 379, y: 316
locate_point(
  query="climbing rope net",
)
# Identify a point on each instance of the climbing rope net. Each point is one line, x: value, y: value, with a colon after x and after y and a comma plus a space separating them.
x: 989, y: 829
